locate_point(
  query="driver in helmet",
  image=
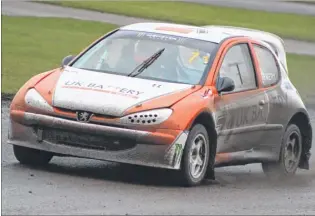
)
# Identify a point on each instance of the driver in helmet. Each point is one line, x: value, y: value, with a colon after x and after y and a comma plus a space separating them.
x: 134, y: 53
x: 143, y: 49
x: 162, y: 66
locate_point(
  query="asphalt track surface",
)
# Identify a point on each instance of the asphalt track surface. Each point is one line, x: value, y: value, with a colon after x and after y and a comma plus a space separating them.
x: 23, y: 8
x: 71, y: 186
x: 263, y: 5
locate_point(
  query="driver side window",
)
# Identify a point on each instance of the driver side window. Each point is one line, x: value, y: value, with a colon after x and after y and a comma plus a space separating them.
x: 237, y: 65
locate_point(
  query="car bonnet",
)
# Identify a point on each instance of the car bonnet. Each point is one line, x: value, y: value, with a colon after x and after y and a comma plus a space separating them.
x: 107, y: 94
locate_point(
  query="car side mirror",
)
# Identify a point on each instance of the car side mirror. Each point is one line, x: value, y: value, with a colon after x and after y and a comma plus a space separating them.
x: 225, y: 84
x: 66, y: 60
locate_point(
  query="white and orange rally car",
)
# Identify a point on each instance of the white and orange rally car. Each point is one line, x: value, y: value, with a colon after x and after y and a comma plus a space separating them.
x: 170, y: 96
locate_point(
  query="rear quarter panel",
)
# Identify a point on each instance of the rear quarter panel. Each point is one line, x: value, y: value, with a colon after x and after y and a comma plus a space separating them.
x: 284, y: 102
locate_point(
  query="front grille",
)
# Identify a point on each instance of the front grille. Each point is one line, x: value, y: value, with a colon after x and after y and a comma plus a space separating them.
x: 95, y: 114
x: 88, y: 141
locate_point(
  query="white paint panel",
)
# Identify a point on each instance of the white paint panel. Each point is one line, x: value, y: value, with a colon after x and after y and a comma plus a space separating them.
x: 34, y: 99
x: 106, y: 94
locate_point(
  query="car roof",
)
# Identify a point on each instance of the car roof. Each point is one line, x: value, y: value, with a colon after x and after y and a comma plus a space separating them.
x: 189, y: 31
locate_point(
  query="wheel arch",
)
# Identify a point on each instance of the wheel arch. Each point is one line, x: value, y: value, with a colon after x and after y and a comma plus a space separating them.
x: 205, y: 118
x: 302, y: 120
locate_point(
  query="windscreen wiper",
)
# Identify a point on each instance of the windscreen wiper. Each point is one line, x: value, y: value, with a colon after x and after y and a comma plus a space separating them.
x: 146, y: 63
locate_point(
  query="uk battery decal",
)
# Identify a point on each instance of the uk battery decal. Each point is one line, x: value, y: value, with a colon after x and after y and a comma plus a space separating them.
x: 103, y: 88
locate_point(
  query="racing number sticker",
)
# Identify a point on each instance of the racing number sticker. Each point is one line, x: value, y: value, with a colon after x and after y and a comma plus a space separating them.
x: 205, y: 59
x: 196, y: 54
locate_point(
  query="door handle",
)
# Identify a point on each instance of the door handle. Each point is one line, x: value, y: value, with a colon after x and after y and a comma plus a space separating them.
x: 261, y: 102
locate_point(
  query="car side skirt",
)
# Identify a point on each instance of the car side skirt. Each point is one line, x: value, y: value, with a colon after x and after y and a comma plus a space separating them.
x: 245, y: 157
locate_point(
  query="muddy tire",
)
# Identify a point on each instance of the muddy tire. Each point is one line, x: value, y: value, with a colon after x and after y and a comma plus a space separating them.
x: 290, y: 155
x: 30, y: 156
x: 195, y: 157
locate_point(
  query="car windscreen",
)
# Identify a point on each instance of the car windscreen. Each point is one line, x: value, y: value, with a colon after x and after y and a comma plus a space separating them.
x: 184, y: 60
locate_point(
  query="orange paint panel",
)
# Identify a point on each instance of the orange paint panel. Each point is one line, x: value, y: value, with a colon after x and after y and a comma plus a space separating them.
x: 175, y: 29
x: 47, y: 86
x: 222, y: 157
x: 17, y: 116
x: 60, y: 112
x: 188, y: 109
x: 18, y: 102
x: 185, y: 110
x: 165, y: 136
x: 163, y: 101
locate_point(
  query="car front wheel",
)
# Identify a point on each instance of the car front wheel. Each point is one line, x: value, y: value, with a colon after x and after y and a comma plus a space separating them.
x: 290, y: 154
x: 195, y: 157
x: 31, y: 156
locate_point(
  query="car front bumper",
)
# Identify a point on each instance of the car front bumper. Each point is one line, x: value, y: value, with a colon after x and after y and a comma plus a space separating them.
x: 95, y: 141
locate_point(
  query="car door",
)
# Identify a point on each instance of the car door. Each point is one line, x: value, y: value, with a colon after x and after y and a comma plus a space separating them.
x: 269, y: 68
x: 241, y: 114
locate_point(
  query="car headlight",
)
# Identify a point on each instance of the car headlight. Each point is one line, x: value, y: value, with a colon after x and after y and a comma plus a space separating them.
x: 150, y: 117
x: 34, y: 99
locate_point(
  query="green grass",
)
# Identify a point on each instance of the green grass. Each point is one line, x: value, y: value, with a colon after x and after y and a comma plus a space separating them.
x: 34, y: 45
x: 302, y: 73
x: 286, y: 25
